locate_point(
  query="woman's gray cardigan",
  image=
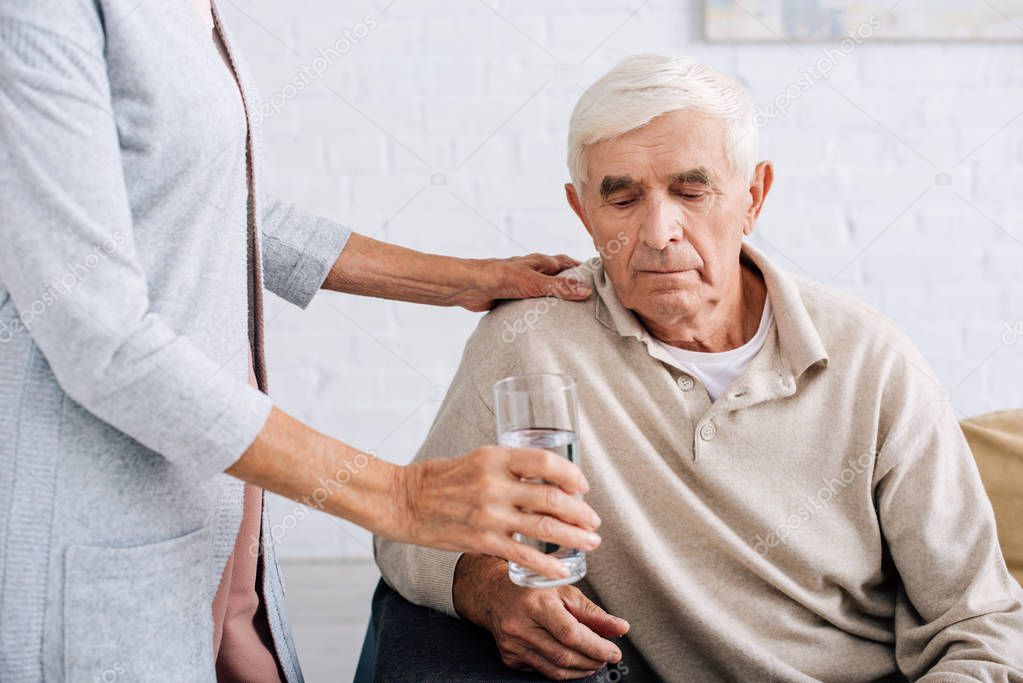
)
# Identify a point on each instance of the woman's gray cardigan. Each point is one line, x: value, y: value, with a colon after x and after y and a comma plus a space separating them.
x: 131, y: 213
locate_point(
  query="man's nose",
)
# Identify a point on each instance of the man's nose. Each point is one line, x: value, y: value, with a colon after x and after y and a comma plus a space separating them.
x: 663, y: 223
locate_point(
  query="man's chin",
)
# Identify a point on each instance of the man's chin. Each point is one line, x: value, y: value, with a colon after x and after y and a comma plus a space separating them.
x: 670, y: 300
x: 684, y: 284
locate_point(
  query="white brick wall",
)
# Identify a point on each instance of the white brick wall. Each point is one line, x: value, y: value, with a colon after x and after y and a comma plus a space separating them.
x: 474, y: 92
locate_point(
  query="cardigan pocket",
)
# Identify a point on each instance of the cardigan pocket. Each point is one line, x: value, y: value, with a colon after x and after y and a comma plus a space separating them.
x: 139, y: 613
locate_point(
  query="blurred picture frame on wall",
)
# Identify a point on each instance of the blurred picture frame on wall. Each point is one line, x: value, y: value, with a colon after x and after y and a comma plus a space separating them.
x: 827, y: 20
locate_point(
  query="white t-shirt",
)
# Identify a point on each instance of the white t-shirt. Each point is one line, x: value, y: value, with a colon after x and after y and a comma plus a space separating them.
x: 718, y: 370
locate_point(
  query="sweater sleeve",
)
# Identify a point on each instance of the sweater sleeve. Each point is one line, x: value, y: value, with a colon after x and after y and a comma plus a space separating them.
x: 66, y: 217
x: 958, y: 611
x: 298, y: 250
x: 425, y: 576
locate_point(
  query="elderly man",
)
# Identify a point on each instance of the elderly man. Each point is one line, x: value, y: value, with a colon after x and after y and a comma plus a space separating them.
x: 785, y: 492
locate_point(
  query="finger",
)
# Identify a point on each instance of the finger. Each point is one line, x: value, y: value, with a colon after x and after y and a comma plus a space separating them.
x: 548, y: 669
x: 567, y: 261
x: 545, y: 528
x: 563, y: 262
x: 545, y: 499
x: 532, y: 559
x: 567, y: 630
x: 542, y: 263
x: 564, y: 287
x: 512, y: 654
x: 560, y: 656
x: 536, y: 463
x: 591, y: 614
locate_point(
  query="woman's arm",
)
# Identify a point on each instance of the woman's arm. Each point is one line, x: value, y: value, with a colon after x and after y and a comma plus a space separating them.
x: 373, y: 268
x: 68, y: 257
x: 472, y: 503
x: 303, y: 252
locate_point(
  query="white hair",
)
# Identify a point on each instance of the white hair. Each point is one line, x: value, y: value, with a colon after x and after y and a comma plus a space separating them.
x: 644, y: 87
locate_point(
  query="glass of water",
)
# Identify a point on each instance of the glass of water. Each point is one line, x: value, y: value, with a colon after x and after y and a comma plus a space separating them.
x: 540, y: 411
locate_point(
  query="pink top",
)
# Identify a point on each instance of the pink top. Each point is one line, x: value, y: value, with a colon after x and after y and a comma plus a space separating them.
x: 242, y: 644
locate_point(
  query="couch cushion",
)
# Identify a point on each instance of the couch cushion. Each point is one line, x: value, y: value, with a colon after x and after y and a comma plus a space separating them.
x: 996, y: 440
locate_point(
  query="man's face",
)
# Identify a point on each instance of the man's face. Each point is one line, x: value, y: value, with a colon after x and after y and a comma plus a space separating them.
x: 670, y: 190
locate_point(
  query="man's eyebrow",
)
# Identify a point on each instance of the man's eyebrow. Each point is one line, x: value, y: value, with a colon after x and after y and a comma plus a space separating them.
x: 612, y: 183
x: 699, y: 175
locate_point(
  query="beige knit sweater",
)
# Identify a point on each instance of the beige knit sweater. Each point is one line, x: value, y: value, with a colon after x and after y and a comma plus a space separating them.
x: 823, y: 519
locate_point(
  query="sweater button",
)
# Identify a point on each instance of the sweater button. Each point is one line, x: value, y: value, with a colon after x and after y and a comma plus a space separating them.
x: 708, y: 431
x: 685, y: 383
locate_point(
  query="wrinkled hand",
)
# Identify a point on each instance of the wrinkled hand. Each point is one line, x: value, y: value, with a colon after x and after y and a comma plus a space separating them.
x: 474, y: 503
x: 523, y: 277
x: 557, y: 632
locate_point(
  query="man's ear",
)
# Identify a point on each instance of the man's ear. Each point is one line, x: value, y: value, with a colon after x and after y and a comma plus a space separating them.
x: 577, y: 205
x: 763, y: 176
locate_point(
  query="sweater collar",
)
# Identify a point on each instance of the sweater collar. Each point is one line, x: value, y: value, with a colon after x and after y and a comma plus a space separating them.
x: 799, y: 342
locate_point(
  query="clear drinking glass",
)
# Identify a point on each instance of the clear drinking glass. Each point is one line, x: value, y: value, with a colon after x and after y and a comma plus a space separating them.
x: 540, y: 411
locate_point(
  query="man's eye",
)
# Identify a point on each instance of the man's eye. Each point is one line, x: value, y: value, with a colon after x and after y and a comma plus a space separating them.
x: 692, y: 195
x: 622, y: 203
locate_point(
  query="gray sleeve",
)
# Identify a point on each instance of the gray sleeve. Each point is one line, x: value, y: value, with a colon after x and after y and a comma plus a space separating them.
x: 298, y: 250
x: 421, y: 575
x: 64, y: 201
x: 958, y: 611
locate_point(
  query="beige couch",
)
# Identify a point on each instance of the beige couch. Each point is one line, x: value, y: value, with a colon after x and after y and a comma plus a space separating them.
x: 996, y: 440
